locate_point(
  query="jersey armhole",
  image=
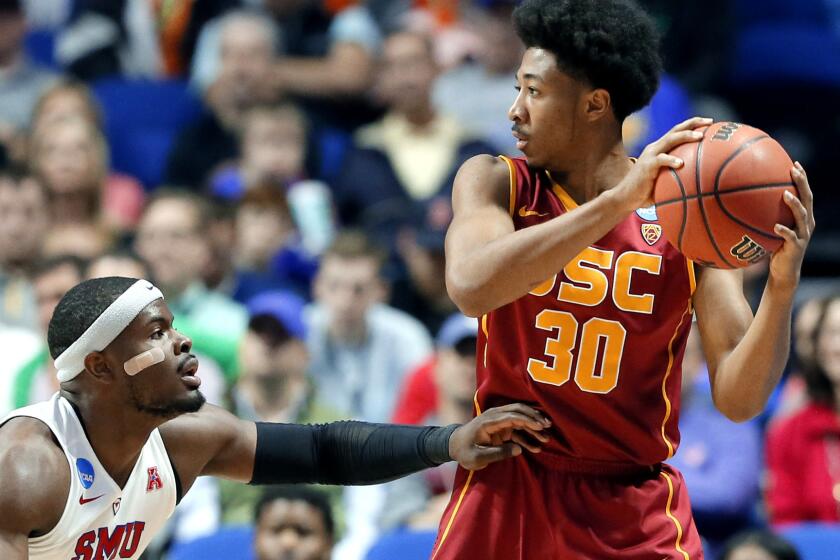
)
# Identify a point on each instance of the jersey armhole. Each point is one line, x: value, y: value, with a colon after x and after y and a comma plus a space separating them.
x: 512, y: 173
x: 179, y: 488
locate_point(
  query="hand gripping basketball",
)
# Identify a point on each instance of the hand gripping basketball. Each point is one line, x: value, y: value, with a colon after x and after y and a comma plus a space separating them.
x: 637, y: 186
x: 786, y: 263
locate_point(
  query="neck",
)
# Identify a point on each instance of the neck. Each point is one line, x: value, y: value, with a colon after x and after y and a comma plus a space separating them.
x: 116, y: 433
x: 599, y: 170
x: 419, y: 116
x: 351, y: 335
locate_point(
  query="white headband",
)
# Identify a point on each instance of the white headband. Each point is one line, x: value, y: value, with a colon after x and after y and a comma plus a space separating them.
x: 106, y: 328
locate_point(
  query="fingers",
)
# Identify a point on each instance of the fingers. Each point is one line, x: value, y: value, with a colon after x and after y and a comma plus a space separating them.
x: 800, y: 179
x: 486, y: 455
x: 800, y: 215
x: 674, y: 139
x: 523, y: 441
x: 692, y: 123
x: 495, y: 423
x: 519, y: 410
x: 785, y: 232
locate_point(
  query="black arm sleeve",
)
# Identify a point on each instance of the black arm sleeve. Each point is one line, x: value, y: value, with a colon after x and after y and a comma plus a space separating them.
x: 352, y: 453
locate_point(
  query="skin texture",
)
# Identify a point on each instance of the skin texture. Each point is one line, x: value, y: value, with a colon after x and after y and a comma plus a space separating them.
x: 568, y: 127
x: 119, y: 412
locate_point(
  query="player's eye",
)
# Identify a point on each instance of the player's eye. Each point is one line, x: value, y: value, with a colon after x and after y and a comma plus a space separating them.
x: 532, y: 91
x: 517, y: 88
x: 157, y: 334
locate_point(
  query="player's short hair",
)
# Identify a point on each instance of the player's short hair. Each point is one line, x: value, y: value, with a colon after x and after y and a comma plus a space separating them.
x: 354, y: 244
x: 297, y: 493
x: 611, y: 44
x: 80, y: 307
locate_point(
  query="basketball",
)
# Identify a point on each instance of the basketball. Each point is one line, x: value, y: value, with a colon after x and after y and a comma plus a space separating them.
x: 719, y: 209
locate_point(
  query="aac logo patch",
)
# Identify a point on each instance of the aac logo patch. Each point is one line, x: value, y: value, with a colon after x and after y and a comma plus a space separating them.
x: 155, y: 482
x: 651, y: 233
x: 86, y: 474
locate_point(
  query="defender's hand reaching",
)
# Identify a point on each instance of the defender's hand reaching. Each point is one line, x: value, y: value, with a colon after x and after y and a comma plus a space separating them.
x: 498, y: 433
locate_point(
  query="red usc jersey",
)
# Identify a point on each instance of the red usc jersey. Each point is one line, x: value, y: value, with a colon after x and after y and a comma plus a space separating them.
x: 598, y: 347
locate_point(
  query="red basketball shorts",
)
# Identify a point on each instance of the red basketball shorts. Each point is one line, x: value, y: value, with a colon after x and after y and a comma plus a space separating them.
x: 521, y: 510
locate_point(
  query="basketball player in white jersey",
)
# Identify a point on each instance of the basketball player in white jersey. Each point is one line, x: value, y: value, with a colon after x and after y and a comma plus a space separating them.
x: 94, y: 472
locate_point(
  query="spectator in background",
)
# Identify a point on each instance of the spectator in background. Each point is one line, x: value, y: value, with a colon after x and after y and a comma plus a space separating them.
x: 36, y: 379
x: 70, y: 155
x: 172, y: 239
x: 361, y: 349
x: 84, y: 240
x: 273, y: 383
x: 268, y: 252
x: 482, y: 86
x: 23, y: 226
x: 245, y: 57
x: 134, y: 38
x: 803, y: 449
x: 421, y: 289
x: 440, y: 391
x: 21, y: 82
x: 720, y: 460
x: 402, y: 166
x: 67, y: 98
x: 293, y: 523
x: 326, y: 60
x: 117, y: 263
x: 758, y: 545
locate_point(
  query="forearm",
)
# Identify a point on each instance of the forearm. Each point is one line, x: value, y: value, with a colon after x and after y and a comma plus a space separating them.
x: 512, y: 264
x: 745, y: 378
x: 333, y: 76
x: 346, y: 452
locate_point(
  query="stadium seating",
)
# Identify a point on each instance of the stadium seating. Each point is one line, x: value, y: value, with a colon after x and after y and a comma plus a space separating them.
x: 229, y: 543
x: 142, y: 119
x: 814, y: 541
x: 404, y: 545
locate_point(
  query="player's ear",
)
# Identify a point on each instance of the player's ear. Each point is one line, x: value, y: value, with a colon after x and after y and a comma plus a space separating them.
x: 597, y: 104
x: 98, y: 367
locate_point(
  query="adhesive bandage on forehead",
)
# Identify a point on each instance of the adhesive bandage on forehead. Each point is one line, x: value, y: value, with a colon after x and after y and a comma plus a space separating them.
x: 144, y: 360
x: 106, y: 328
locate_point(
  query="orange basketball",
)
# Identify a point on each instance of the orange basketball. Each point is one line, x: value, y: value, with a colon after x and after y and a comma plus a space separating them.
x: 719, y: 209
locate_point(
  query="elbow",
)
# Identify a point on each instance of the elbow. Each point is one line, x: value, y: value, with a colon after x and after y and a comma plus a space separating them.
x: 466, y: 294
x: 739, y: 410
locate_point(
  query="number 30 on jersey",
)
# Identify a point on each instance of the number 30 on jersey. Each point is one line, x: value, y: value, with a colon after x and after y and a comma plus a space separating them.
x: 589, y: 286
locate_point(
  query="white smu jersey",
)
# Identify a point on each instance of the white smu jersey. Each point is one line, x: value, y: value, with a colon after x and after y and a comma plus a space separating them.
x: 100, y: 520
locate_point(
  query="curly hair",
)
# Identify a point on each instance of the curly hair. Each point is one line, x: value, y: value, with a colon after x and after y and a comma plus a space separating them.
x: 611, y: 44
x: 80, y: 307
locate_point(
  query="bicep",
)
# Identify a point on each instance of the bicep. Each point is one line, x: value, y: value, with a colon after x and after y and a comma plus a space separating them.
x: 211, y: 442
x: 723, y: 313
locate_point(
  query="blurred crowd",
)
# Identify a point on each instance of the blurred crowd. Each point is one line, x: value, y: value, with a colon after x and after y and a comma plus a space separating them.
x: 281, y: 169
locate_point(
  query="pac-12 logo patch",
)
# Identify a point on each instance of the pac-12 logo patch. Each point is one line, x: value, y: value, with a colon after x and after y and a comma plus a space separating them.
x: 86, y: 474
x: 648, y: 213
x: 651, y: 233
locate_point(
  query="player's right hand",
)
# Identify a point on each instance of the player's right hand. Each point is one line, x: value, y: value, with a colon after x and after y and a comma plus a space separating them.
x: 496, y: 434
x: 636, y: 189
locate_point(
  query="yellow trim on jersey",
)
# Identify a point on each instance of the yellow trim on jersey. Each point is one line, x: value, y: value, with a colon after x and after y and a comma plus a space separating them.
x: 671, y: 516
x: 512, y: 170
x: 484, y: 326
x: 454, y: 513
x: 668, y: 444
x: 565, y: 199
x: 477, y: 406
x: 692, y: 279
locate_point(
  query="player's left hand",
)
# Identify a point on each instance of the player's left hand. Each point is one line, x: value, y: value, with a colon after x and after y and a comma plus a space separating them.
x: 785, y: 264
x: 498, y: 433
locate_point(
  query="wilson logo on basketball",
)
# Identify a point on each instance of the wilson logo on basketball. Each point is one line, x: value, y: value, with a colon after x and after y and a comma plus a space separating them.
x: 651, y: 233
x: 748, y: 250
x: 725, y: 132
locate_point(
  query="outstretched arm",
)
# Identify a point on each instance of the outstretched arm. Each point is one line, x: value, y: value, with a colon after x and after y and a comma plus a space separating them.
x: 746, y: 355
x: 214, y: 442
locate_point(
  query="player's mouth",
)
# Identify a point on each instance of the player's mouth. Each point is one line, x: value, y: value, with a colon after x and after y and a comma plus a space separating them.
x: 521, y: 139
x: 188, y: 371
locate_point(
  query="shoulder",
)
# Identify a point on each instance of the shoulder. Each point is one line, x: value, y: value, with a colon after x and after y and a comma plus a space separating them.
x: 35, y: 475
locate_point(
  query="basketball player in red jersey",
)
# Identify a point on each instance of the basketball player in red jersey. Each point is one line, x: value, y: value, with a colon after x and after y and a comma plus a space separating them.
x: 585, y: 308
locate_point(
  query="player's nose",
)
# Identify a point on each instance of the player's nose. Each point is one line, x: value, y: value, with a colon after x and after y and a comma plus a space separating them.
x: 516, y: 113
x: 183, y: 345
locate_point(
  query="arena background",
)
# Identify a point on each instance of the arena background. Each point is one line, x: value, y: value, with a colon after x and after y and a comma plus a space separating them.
x: 229, y: 148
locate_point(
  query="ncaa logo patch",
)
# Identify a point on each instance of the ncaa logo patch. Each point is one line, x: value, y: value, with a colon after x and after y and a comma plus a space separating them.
x: 651, y: 233
x: 86, y: 474
x: 648, y: 213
